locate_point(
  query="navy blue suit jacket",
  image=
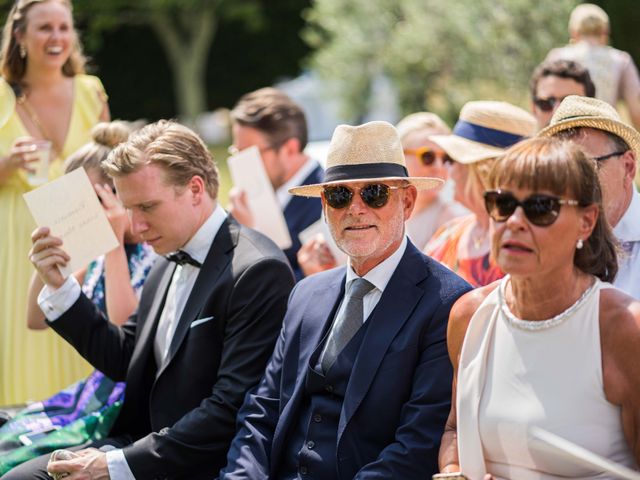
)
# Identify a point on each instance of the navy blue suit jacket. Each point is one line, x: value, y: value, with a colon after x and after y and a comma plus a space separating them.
x: 399, y: 394
x: 299, y: 213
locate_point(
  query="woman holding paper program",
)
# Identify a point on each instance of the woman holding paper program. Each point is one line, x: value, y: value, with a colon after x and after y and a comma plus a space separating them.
x: 47, y: 104
x: 552, y: 345
x: 112, y: 282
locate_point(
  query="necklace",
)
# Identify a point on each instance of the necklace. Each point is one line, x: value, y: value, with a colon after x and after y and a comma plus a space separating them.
x: 24, y: 103
x: 536, y: 325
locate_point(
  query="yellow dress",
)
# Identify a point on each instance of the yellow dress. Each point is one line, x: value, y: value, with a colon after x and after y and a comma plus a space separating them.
x: 34, y: 363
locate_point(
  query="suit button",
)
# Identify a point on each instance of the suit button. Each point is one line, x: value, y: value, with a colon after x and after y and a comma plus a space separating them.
x: 317, y: 418
x: 304, y: 470
x: 311, y: 444
x: 329, y: 388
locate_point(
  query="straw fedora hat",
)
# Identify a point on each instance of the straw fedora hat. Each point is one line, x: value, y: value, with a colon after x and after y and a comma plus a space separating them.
x: 576, y: 111
x: 367, y: 153
x: 485, y: 130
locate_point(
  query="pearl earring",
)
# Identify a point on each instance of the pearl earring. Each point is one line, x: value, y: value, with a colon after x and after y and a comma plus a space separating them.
x: 579, y: 244
x: 23, y: 51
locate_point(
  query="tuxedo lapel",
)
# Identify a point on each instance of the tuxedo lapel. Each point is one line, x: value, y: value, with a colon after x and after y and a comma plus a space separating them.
x: 315, y: 320
x: 394, y: 308
x: 213, y: 266
x: 152, y: 316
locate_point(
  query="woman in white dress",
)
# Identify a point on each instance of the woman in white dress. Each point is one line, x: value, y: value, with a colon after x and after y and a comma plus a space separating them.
x: 552, y: 346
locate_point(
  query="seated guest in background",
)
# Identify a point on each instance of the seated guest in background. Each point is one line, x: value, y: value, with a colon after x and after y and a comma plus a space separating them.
x: 483, y: 132
x: 85, y: 410
x: 358, y: 382
x: 615, y: 146
x: 424, y: 159
x: 552, y: 81
x: 270, y: 120
x: 551, y: 346
x: 208, y: 317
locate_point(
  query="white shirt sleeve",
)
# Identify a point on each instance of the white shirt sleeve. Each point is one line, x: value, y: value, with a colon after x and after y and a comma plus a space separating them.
x: 118, y: 466
x: 54, y: 303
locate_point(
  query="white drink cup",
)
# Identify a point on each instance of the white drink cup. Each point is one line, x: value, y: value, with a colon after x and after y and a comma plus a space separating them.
x: 41, y: 151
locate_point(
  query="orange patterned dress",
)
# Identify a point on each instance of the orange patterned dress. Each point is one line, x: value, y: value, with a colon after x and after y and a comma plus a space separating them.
x: 443, y: 247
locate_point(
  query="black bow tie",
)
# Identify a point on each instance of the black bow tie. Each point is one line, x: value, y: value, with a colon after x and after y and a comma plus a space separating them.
x: 181, y: 258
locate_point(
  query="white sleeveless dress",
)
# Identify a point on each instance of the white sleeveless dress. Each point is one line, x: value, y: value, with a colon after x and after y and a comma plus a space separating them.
x: 516, y: 374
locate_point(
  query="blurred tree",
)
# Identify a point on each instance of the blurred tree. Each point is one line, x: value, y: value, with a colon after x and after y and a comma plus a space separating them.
x: 437, y: 54
x: 185, y: 29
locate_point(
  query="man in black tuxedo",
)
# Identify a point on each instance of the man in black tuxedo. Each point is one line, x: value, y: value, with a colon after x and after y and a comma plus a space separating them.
x: 207, y: 321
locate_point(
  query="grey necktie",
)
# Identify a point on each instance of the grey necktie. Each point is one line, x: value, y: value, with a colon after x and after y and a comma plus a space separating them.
x: 347, y: 324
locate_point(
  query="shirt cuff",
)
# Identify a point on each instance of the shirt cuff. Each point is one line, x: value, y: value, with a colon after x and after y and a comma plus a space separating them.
x: 54, y: 303
x: 118, y: 466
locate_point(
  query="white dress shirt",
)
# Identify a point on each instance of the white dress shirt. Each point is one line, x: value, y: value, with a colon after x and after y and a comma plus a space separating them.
x: 627, y: 231
x: 284, y: 197
x: 378, y: 276
x: 55, y: 303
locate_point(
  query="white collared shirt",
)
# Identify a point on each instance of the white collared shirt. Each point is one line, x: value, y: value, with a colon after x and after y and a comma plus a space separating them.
x: 379, y: 276
x: 182, y: 282
x: 55, y: 303
x: 284, y: 197
x: 627, y: 231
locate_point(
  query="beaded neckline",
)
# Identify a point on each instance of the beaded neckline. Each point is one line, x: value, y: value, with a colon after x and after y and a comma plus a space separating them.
x: 535, y: 325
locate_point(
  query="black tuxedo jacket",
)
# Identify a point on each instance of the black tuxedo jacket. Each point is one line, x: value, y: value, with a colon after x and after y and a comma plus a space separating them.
x: 181, y: 415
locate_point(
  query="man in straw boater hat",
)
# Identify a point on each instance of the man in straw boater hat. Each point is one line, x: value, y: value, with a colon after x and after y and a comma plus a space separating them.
x: 359, y: 380
x: 615, y: 146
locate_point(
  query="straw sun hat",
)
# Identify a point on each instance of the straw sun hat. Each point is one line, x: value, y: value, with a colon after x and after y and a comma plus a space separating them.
x: 576, y: 111
x: 367, y: 153
x: 485, y: 130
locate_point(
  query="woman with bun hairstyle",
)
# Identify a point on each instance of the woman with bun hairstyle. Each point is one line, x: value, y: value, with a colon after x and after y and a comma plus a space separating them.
x: 46, y: 103
x: 113, y: 282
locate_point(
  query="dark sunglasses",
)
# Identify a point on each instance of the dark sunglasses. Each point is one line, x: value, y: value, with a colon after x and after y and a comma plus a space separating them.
x: 374, y: 195
x: 547, y: 104
x: 427, y: 155
x: 541, y: 210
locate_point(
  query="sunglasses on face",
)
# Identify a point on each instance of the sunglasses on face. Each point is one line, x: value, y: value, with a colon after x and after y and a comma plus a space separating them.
x: 428, y: 155
x: 547, y: 104
x: 540, y: 209
x: 374, y: 195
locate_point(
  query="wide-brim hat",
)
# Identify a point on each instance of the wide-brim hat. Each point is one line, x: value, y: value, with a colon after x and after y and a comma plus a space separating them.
x: 485, y: 130
x: 584, y: 112
x: 366, y: 153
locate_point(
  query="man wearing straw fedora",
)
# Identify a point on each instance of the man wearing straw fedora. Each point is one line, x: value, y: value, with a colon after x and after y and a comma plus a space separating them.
x: 615, y: 146
x: 357, y: 385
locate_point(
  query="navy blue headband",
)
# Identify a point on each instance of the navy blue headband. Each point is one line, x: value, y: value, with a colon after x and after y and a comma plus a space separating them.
x: 364, y: 170
x: 486, y: 135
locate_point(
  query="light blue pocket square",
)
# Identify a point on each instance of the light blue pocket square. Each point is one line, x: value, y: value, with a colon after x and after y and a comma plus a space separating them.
x: 200, y: 321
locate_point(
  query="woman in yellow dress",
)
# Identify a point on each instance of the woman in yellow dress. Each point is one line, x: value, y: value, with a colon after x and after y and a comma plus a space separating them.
x: 44, y: 95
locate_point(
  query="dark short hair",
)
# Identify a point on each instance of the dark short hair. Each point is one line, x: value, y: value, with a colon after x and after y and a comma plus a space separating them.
x: 274, y: 114
x: 562, y: 168
x: 563, y: 69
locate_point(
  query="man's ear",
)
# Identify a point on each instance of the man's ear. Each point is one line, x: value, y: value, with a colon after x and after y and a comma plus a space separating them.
x: 630, y: 164
x: 409, y: 199
x: 197, y: 188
